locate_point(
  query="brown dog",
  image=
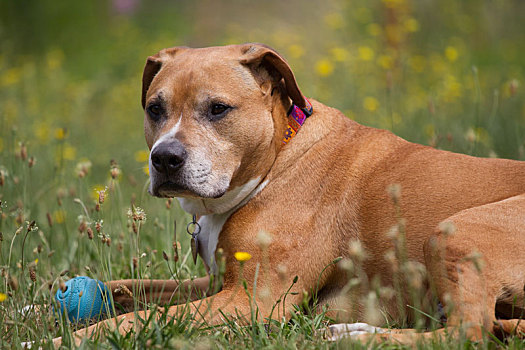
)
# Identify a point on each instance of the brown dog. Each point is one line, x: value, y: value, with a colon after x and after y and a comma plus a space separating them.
x: 228, y: 137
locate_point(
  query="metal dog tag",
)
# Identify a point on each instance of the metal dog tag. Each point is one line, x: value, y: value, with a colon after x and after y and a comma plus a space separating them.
x: 194, y: 247
x: 194, y: 229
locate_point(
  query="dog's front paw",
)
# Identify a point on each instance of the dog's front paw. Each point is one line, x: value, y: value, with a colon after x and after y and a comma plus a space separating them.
x: 352, y: 330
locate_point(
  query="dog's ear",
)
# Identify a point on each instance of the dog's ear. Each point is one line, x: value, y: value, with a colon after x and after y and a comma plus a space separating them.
x: 151, y: 69
x: 266, y: 64
x: 153, y: 65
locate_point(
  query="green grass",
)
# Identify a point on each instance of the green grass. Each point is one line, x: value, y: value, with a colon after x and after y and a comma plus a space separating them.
x: 445, y: 73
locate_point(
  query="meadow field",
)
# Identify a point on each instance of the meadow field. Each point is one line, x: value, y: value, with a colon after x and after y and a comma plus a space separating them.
x: 73, y: 159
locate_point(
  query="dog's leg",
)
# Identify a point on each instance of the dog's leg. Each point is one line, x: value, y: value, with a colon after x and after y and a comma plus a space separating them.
x: 233, y: 303
x: 512, y: 327
x: 468, y: 263
x: 162, y: 292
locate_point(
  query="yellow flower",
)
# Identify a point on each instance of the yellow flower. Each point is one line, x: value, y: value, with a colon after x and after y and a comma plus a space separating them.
x: 411, y: 25
x: 324, y: 67
x: 385, y: 61
x: 145, y: 169
x: 3, y: 297
x: 242, y: 256
x: 366, y: 53
x: 142, y: 156
x: 296, y: 51
x: 54, y: 58
x: 96, y: 190
x: 60, y: 216
x: 340, y: 54
x: 11, y: 76
x: 60, y: 133
x: 36, y: 261
x: 370, y: 103
x: 451, y: 53
x: 69, y: 152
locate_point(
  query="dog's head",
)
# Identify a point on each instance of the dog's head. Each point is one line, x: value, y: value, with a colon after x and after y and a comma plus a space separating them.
x: 214, y: 120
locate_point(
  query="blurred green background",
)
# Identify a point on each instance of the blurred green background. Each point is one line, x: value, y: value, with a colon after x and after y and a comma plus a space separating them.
x: 445, y: 73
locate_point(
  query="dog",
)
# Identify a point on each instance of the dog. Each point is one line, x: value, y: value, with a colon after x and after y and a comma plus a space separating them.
x: 234, y: 139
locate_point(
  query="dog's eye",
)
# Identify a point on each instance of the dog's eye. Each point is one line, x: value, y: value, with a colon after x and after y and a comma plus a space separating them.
x: 154, y: 111
x: 219, y: 108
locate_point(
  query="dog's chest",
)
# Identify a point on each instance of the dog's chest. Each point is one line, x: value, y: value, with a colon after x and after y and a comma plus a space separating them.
x: 211, y: 226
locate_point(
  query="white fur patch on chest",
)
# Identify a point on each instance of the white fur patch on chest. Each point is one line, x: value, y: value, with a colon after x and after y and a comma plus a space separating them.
x: 211, y: 224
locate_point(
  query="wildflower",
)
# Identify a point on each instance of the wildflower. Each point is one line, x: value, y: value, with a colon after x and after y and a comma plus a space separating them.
x: 32, y: 273
x: 142, y: 156
x: 365, y: 53
x: 411, y: 25
x: 102, y: 195
x: 242, y: 256
x: 263, y: 239
x: 145, y: 169
x: 114, y: 169
x: 89, y: 233
x: 324, y: 67
x: 98, y: 225
x: 296, y: 51
x: 385, y: 61
x: 394, y: 191
x: 356, y: 250
x: 69, y: 152
x: 451, y: 53
x: 340, y: 54
x: 282, y: 272
x: 31, y: 162
x: 82, y: 168
x: 137, y: 214
x: 447, y: 228
x: 370, y: 103
x: 3, y: 297
x: 60, y: 133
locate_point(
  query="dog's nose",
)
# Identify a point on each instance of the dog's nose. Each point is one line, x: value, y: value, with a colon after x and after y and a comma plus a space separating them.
x: 168, y: 156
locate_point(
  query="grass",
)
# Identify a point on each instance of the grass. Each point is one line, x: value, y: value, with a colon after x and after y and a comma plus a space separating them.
x: 441, y: 73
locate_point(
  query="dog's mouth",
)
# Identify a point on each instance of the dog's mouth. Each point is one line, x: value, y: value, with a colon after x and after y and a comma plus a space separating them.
x: 170, y: 189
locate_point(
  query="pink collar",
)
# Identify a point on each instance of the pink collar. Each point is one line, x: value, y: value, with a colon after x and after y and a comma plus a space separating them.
x: 296, y: 119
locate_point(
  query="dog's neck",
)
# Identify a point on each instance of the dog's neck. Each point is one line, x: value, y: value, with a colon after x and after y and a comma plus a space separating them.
x: 211, y: 224
x: 230, y: 201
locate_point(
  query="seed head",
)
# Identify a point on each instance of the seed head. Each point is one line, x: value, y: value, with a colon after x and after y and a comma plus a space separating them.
x: 49, y: 219
x: 31, y: 161
x: 447, y: 228
x: 394, y: 191
x: 356, y: 250
x: 23, y: 151
x: 89, y: 233
x: 32, y: 273
x: 82, y: 227
x: 263, y: 239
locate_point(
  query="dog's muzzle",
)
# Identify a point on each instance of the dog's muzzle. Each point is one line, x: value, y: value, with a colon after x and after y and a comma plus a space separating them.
x: 167, y: 161
x: 168, y: 157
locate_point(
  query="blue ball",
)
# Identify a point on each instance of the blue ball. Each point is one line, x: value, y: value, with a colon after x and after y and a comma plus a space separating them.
x: 84, y: 299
